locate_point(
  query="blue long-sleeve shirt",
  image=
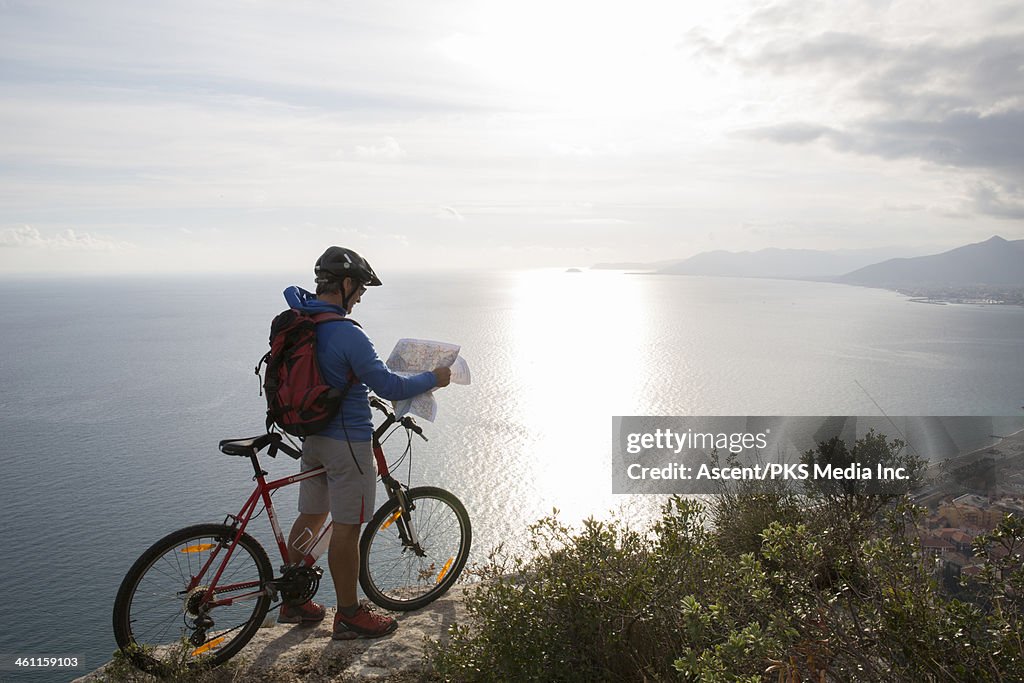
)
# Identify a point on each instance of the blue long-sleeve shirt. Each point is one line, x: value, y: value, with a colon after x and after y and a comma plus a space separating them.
x: 341, y: 347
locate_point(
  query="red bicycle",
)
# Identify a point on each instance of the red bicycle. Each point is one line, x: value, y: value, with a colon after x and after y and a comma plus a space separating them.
x: 199, y: 594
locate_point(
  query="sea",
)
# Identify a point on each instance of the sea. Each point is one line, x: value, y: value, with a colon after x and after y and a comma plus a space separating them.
x: 116, y: 391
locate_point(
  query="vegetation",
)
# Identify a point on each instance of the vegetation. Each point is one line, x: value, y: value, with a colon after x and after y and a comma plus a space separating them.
x: 181, y: 668
x: 760, y: 584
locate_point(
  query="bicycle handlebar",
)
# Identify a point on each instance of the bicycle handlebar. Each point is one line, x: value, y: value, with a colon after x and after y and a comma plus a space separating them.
x: 406, y: 421
x: 250, y: 447
x: 411, y: 425
x: 380, y: 405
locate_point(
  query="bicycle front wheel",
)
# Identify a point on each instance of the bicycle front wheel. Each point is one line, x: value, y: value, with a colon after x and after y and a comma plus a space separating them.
x: 406, y: 563
x: 162, y: 618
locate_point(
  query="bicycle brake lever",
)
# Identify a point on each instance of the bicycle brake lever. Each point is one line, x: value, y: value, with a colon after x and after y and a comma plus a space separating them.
x: 411, y: 425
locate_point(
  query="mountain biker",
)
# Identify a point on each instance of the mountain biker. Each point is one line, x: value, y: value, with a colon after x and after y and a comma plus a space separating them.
x: 348, y: 361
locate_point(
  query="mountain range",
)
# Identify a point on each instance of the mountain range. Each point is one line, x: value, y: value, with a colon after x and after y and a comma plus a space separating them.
x: 780, y: 263
x: 996, y: 261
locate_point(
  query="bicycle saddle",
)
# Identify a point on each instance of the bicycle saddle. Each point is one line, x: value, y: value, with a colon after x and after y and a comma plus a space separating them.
x: 250, y: 446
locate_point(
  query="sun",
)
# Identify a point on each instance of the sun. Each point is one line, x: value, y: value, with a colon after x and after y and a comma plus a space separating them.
x: 598, y: 58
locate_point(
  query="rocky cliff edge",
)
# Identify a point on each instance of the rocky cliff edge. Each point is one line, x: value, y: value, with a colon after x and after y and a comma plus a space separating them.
x: 285, y: 653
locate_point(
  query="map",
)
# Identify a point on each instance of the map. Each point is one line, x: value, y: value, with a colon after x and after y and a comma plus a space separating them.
x: 413, y: 356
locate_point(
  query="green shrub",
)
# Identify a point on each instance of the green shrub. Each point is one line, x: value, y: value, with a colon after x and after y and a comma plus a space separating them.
x: 597, y: 604
x: 823, y: 586
x: 120, y: 669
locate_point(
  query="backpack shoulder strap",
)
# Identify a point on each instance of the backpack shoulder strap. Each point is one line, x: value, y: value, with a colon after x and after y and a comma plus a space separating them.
x: 330, y: 316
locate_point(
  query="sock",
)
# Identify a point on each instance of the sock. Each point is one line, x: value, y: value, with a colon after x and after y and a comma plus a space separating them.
x: 349, y: 611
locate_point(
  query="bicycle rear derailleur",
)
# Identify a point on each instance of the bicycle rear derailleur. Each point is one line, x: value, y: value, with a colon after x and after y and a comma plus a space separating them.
x: 298, y: 584
x: 196, y: 614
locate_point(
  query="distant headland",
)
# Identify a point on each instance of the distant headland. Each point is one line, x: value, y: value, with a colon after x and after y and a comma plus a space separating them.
x: 989, y: 272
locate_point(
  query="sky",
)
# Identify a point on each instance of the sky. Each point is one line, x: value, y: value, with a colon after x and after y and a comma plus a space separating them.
x: 250, y: 135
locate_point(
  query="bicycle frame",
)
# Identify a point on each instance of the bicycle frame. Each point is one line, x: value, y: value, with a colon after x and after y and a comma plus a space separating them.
x: 210, y: 586
x: 262, y: 494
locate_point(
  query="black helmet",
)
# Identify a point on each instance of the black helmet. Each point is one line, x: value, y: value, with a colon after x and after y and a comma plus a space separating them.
x: 338, y: 262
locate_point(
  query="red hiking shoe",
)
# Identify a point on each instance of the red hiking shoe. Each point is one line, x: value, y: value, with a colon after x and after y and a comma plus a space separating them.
x: 307, y: 613
x: 364, y: 624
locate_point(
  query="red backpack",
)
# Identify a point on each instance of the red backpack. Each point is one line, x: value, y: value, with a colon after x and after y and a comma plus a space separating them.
x: 299, y: 401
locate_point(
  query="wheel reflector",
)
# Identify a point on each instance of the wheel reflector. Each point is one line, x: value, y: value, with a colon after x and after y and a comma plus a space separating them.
x: 444, y: 570
x: 198, y: 548
x: 391, y: 519
x: 208, y: 646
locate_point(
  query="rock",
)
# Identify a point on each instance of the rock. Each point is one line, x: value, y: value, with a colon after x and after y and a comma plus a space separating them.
x: 281, y: 653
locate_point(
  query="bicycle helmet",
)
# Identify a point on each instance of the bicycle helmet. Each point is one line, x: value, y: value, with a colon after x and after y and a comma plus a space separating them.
x: 338, y: 262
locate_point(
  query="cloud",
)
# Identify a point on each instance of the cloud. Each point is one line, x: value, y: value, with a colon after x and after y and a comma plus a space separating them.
x: 598, y: 221
x: 956, y: 102
x: 977, y: 74
x: 388, y: 148
x: 961, y: 139
x: 586, y: 151
x: 449, y: 213
x: 841, y: 50
x: 904, y: 208
x: 28, y: 237
x: 998, y: 201
x: 993, y: 144
x: 151, y: 126
x: 923, y: 79
x: 401, y: 239
x: 789, y: 133
x: 347, y: 233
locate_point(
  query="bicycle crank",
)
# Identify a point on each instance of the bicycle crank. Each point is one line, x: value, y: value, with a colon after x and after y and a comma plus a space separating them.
x: 298, y: 585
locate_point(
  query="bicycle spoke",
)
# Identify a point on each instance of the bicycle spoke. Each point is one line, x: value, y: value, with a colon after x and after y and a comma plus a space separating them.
x: 399, y: 578
x: 158, y: 611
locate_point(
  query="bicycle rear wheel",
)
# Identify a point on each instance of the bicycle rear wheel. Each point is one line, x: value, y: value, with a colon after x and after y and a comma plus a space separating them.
x: 402, y: 575
x: 158, y: 612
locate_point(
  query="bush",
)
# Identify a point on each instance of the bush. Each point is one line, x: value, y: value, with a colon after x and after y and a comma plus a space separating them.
x: 827, y: 586
x: 590, y: 606
x: 120, y: 669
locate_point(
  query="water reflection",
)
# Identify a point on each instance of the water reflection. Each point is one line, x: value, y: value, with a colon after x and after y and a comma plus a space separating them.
x: 579, y: 345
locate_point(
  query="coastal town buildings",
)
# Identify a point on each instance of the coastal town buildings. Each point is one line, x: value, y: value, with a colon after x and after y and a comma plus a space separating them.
x: 951, y: 528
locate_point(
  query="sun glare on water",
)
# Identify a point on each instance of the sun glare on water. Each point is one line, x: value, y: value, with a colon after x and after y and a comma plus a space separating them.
x: 577, y: 341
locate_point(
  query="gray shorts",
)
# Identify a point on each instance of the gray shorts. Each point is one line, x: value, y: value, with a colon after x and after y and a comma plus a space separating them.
x: 344, y: 492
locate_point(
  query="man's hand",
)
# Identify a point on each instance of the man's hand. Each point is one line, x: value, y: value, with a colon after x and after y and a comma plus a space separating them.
x: 443, y: 376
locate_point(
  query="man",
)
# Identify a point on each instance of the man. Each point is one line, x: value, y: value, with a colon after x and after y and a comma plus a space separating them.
x: 347, y: 361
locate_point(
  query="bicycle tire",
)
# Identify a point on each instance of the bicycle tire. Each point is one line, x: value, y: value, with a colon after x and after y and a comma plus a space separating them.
x: 151, y: 623
x: 395, y: 577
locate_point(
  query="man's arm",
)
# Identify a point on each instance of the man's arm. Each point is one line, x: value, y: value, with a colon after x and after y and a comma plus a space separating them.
x: 372, y: 371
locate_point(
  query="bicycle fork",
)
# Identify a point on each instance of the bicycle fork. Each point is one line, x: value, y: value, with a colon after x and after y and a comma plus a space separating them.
x: 402, y: 518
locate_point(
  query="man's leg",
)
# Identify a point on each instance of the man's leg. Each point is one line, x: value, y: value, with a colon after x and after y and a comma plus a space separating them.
x: 303, y: 531
x: 299, y: 534
x: 353, y: 619
x: 343, y: 559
